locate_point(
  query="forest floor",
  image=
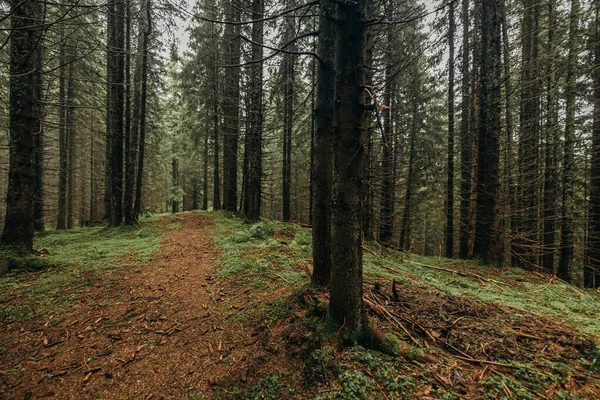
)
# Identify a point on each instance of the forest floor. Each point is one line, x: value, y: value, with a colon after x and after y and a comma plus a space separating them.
x: 201, y: 305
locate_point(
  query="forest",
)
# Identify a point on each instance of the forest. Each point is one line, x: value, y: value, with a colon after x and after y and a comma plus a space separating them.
x: 320, y: 199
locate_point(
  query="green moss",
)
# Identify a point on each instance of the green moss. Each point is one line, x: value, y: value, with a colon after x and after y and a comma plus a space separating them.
x: 390, y: 345
x: 9, y: 314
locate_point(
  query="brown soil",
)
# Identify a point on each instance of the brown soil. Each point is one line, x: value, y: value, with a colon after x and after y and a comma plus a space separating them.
x: 144, y: 332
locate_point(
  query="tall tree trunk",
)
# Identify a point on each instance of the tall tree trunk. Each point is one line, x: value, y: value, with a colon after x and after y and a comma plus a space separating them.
x: 92, y: 174
x: 511, y: 203
x: 117, y: 114
x: 216, y: 176
x: 346, y: 286
x: 231, y: 108
x: 450, y: 183
x: 565, y: 265
x: 592, y: 269
x: 253, y: 145
x: 38, y: 205
x: 528, y: 245
x: 24, y: 122
x: 130, y: 134
x: 466, y: 140
x: 175, y: 186
x: 205, y: 166
x: 406, y: 224
x: 288, y: 120
x: 323, y: 146
x: 386, y: 212
x: 61, y: 219
x: 487, y: 241
x: 110, y: 50
x: 475, y: 122
x: 70, y: 140
x: 552, y: 140
x: 143, y: 95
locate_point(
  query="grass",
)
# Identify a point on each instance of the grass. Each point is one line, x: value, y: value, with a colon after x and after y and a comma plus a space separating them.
x: 276, y: 251
x: 525, y: 291
x: 77, y: 255
x: 266, y: 252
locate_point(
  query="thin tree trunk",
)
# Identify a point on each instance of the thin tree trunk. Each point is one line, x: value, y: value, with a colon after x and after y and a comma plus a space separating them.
x: 70, y: 140
x: 61, y: 219
x: 142, y: 133
x: 386, y: 211
x: 288, y: 118
x: 450, y: 183
x: 130, y: 142
x: 38, y: 206
x: 117, y: 114
x: 406, y: 224
x: 565, y: 266
x: 466, y: 141
x: 551, y: 171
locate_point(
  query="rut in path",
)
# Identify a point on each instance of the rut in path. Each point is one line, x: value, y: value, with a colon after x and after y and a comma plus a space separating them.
x: 139, y: 332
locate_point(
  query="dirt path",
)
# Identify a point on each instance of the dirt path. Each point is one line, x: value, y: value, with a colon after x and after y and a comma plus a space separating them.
x: 141, y: 332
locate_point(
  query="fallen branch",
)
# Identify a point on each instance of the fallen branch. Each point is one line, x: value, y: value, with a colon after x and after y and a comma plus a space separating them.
x: 382, y: 311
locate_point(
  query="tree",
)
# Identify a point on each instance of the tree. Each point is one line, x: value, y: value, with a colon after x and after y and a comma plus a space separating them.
x: 115, y: 100
x: 253, y: 144
x: 565, y: 265
x: 323, y: 147
x: 487, y: 243
x: 450, y: 185
x: 24, y: 123
x: 142, y: 107
x: 388, y: 158
x: 592, y: 268
x: 346, y: 288
x: 288, y: 66
x: 466, y: 141
x: 231, y: 106
x: 552, y: 140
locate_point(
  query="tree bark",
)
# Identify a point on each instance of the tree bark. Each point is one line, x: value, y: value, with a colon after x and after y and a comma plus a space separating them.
x: 142, y: 133
x: 130, y: 133
x: 565, y: 265
x: 552, y: 141
x: 253, y: 145
x: 450, y: 183
x: 231, y: 108
x: 24, y: 122
x: 386, y: 211
x: 323, y: 146
x: 70, y: 140
x: 487, y: 243
x: 346, y: 288
x: 117, y: 114
x: 466, y: 140
x: 63, y: 164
